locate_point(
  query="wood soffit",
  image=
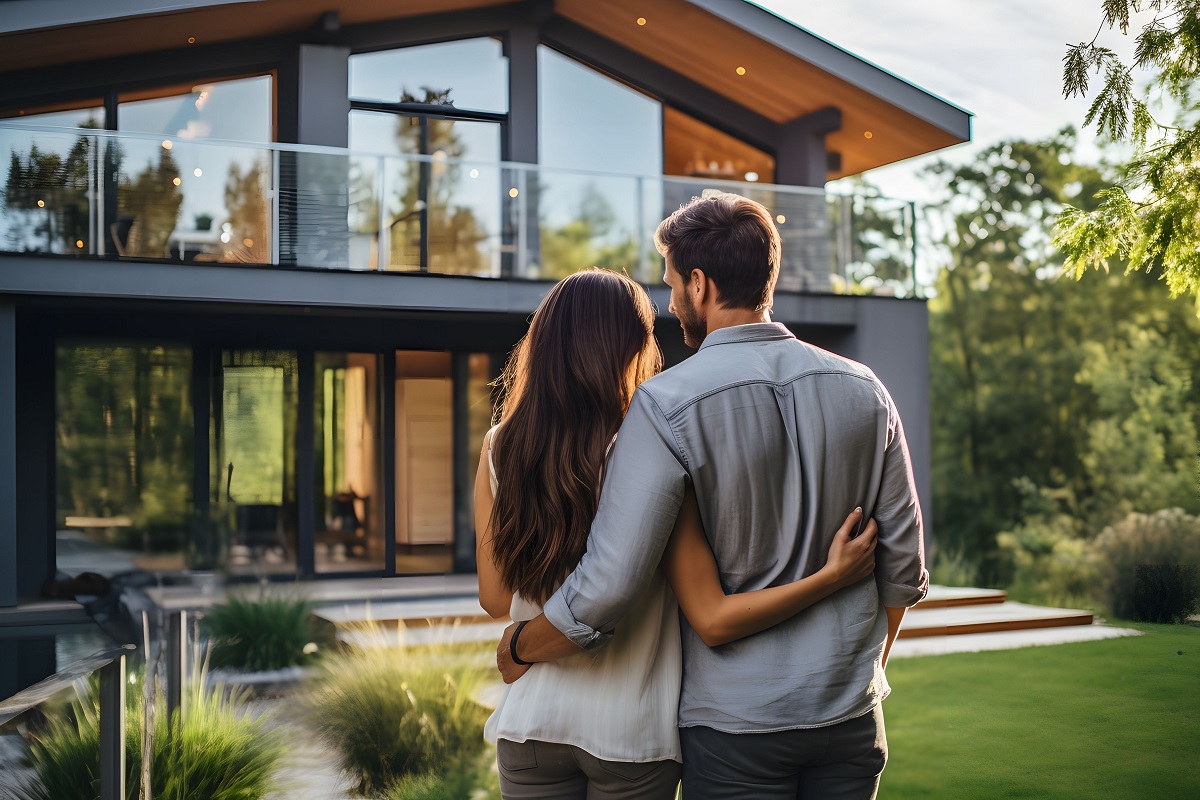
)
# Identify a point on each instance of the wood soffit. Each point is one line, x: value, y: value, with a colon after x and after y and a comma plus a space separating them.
x: 675, y: 34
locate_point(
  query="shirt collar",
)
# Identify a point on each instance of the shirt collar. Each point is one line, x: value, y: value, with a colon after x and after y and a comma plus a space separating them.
x: 754, y: 332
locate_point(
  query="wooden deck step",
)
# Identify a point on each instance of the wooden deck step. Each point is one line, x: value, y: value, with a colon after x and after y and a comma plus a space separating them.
x: 987, y: 618
x: 953, y: 596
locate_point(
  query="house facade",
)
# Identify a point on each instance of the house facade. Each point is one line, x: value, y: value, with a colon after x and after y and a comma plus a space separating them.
x: 260, y: 260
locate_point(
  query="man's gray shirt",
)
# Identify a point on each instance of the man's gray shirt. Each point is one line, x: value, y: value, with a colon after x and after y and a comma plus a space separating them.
x: 781, y: 440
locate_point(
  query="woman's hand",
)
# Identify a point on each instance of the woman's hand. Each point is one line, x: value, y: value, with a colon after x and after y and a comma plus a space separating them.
x: 852, y: 559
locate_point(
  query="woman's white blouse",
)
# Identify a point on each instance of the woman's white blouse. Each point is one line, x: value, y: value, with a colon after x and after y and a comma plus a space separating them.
x: 620, y: 703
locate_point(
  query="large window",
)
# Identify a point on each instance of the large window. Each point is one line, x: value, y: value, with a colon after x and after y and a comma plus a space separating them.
x: 447, y: 102
x: 470, y: 75
x: 123, y: 456
x: 184, y: 199
x: 254, y: 459
x: 349, y: 492
x: 589, y: 121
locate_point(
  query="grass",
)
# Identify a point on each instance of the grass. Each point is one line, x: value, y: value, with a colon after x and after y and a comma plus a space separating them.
x: 264, y: 634
x: 1117, y: 718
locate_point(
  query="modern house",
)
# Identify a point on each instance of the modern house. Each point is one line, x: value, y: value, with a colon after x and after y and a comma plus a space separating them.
x: 259, y: 260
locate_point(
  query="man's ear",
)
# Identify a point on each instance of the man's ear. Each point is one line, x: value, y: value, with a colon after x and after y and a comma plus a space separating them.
x: 697, y: 287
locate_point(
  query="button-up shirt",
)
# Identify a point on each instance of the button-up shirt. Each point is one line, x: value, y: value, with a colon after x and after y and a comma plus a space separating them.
x: 781, y: 440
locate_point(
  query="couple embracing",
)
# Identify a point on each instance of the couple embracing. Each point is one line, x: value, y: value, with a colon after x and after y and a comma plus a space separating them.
x: 688, y: 593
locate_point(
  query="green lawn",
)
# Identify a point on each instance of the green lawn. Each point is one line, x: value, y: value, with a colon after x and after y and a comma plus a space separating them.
x: 1110, y: 719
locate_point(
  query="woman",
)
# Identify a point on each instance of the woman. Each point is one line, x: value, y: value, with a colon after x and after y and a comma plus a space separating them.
x: 602, y: 725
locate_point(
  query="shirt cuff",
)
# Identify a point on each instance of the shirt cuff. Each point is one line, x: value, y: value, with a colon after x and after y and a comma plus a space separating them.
x: 898, y: 595
x: 560, y: 616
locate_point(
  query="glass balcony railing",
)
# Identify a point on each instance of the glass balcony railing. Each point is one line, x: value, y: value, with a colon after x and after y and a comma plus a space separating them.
x: 102, y: 194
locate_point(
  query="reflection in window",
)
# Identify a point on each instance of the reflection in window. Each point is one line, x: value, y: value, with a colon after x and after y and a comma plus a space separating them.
x: 479, y: 411
x: 441, y: 213
x: 123, y: 456
x: 592, y: 122
x: 254, y: 458
x: 469, y: 74
x: 91, y: 116
x: 50, y: 181
x: 180, y: 198
x: 349, y: 492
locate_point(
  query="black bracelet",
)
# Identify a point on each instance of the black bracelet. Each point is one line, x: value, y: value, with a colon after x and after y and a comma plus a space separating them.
x: 512, y: 645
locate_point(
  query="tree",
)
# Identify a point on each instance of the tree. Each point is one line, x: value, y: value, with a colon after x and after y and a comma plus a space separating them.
x: 1151, y: 218
x: 1044, y: 395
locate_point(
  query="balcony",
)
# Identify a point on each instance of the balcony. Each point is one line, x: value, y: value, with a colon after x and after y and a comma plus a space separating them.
x: 98, y: 194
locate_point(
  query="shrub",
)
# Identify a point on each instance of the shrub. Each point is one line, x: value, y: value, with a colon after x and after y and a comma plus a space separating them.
x: 264, y: 634
x: 1149, y: 564
x: 391, y: 712
x: 214, y: 754
x: 1048, y: 562
x: 951, y: 567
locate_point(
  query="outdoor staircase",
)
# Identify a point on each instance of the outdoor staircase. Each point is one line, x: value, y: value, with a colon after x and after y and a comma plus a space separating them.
x: 949, y: 611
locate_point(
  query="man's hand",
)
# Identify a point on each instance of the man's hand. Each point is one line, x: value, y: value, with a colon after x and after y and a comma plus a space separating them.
x: 509, y: 669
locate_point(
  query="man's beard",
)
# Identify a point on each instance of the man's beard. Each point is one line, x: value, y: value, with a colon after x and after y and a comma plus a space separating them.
x: 695, y: 326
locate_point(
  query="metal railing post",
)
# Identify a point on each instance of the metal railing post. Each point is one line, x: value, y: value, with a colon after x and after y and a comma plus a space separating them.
x: 177, y: 663
x: 112, y: 729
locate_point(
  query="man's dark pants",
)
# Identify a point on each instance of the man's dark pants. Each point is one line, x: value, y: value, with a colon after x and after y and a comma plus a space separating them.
x: 838, y: 762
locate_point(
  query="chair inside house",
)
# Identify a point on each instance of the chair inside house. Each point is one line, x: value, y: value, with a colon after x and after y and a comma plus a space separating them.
x: 258, y: 529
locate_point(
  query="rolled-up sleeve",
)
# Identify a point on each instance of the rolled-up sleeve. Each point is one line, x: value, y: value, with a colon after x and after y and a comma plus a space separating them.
x: 900, y: 570
x: 643, y: 488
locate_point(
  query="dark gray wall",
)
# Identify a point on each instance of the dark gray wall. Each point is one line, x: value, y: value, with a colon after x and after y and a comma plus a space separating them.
x: 892, y: 338
x: 8, y: 454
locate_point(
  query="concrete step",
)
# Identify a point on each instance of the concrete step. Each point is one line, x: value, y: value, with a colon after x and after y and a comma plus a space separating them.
x: 952, y: 596
x: 988, y: 618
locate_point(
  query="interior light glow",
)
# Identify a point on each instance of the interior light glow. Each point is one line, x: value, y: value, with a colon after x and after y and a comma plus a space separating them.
x: 191, y: 40
x: 79, y: 243
x: 167, y: 145
x: 474, y: 173
x: 641, y: 20
x: 867, y: 134
x: 176, y: 181
x: 248, y: 242
x: 41, y: 203
x: 751, y: 176
x: 513, y: 192
x: 197, y: 172
x: 781, y: 219
x: 740, y: 70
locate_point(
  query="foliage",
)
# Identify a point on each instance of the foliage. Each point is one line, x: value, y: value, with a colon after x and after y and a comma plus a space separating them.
x: 593, y: 238
x: 153, y: 200
x: 951, y: 566
x: 215, y: 753
x: 1151, y: 219
x: 1057, y: 405
x: 124, y: 439
x: 388, y: 711
x: 262, y: 634
x: 478, y: 781
x: 59, y: 183
x: 1150, y: 566
x: 1113, y: 718
x: 1048, y: 562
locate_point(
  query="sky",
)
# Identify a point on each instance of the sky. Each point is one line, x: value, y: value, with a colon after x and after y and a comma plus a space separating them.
x: 999, y: 59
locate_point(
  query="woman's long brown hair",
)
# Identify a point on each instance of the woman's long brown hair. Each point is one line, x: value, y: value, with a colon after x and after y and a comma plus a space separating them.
x: 566, y: 387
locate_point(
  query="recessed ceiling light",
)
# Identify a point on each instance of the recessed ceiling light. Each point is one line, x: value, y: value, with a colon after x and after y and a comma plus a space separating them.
x: 167, y: 144
x: 740, y: 70
x: 191, y: 40
x: 197, y: 172
x: 41, y: 203
x: 641, y: 20
x: 79, y: 243
x: 868, y: 134
x: 781, y: 219
x: 176, y: 181
x: 513, y: 192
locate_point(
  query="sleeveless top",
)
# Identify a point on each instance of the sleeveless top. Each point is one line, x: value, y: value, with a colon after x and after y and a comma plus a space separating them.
x: 618, y: 703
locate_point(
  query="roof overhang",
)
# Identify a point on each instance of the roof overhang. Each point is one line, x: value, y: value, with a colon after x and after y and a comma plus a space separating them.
x: 787, y: 74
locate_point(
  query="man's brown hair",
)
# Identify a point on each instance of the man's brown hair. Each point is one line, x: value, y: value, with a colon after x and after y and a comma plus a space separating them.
x: 729, y: 238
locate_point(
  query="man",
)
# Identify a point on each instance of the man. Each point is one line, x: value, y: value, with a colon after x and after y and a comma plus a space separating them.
x: 779, y: 439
